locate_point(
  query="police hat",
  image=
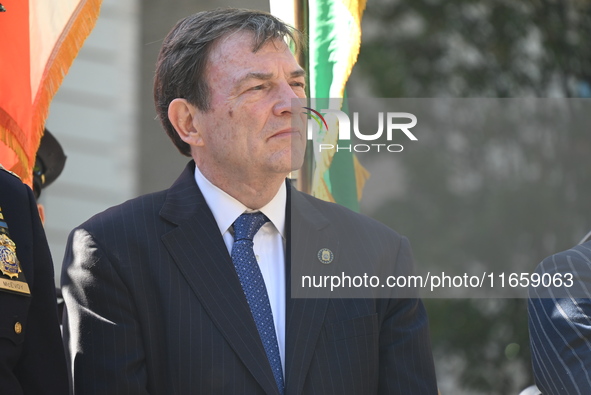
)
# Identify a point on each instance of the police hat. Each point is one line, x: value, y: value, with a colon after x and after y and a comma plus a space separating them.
x: 49, y: 162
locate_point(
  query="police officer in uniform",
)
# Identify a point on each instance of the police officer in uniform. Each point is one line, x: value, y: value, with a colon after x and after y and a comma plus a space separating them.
x: 32, y: 358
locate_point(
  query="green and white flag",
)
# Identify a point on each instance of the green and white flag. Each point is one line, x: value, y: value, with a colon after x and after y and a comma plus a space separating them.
x: 334, y: 34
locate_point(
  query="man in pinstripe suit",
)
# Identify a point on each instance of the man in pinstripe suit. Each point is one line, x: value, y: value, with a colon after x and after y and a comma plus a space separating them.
x: 560, y: 323
x: 153, y: 302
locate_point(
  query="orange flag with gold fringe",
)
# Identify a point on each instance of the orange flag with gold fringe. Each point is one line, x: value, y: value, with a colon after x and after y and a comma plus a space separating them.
x: 39, y: 40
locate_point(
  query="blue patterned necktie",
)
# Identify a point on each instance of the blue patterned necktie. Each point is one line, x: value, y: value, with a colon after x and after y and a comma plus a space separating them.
x: 253, y: 285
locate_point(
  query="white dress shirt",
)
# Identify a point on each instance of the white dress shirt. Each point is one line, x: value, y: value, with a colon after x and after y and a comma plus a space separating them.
x: 269, y: 244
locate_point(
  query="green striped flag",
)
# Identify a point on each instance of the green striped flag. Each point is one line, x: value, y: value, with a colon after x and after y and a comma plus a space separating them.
x: 334, y: 33
x: 335, y: 38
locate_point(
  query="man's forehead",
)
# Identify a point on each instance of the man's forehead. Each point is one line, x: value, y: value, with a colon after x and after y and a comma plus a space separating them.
x: 244, y: 41
x: 235, y: 53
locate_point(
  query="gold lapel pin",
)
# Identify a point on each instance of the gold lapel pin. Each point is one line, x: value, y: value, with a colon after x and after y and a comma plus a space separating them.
x: 325, y: 256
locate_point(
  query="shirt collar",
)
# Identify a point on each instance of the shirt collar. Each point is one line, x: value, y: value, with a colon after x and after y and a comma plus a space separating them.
x: 226, y: 209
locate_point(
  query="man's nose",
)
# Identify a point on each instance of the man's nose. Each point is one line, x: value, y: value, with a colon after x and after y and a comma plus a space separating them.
x: 286, y: 99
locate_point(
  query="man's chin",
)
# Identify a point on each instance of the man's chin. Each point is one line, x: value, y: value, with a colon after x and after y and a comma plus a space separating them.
x: 297, y: 162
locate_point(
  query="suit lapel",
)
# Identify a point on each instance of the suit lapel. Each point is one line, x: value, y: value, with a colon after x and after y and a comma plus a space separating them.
x: 202, y: 257
x: 308, y: 232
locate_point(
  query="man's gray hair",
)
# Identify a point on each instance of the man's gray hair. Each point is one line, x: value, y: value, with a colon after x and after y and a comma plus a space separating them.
x: 181, y: 65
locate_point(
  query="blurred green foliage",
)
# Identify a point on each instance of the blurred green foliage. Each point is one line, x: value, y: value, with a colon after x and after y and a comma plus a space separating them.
x: 470, y: 48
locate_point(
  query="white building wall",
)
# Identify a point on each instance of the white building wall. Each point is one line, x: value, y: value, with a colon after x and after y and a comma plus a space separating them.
x: 94, y: 117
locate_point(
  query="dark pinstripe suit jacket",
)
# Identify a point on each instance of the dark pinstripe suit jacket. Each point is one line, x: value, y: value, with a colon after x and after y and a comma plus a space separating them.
x: 560, y: 325
x: 153, y: 305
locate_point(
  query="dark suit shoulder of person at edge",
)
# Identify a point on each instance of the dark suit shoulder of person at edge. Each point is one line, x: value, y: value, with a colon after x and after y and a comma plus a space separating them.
x: 157, y: 299
x: 560, y: 323
x: 32, y: 357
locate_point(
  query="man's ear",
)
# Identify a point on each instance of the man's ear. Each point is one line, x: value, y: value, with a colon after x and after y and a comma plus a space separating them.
x: 181, y: 114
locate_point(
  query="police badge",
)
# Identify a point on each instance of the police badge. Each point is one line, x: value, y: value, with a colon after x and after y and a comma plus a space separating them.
x: 9, y: 264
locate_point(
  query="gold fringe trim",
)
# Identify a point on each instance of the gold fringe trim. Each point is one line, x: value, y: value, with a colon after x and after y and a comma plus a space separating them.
x: 67, y: 47
x: 23, y: 162
x: 14, y: 138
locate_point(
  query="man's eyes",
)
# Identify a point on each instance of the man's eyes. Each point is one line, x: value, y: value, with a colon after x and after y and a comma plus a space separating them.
x: 266, y: 86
